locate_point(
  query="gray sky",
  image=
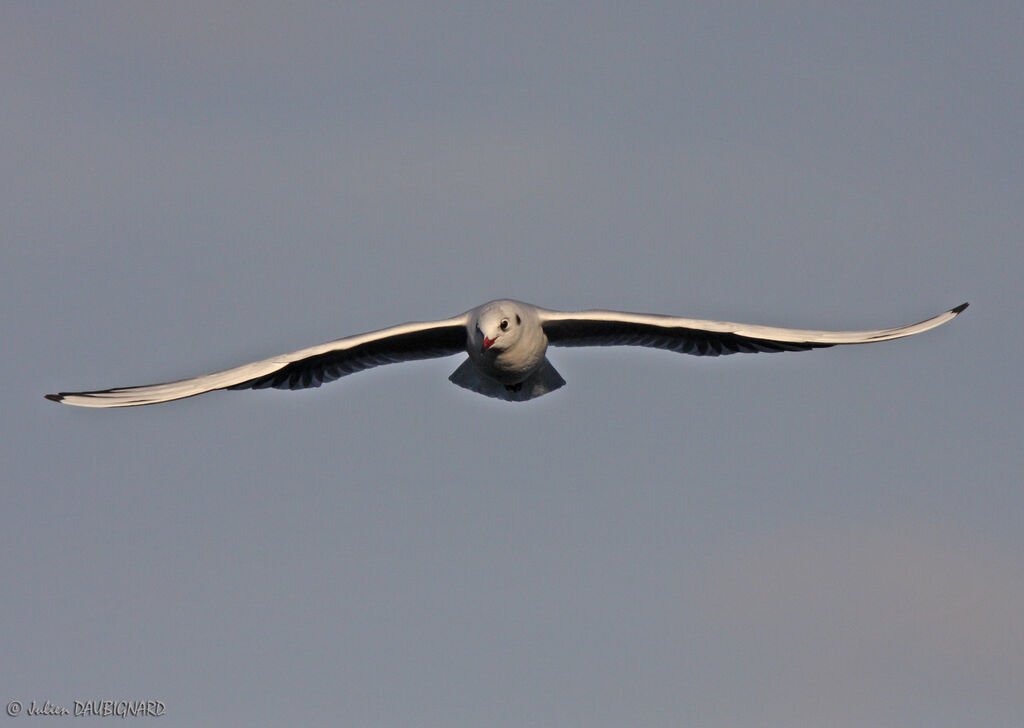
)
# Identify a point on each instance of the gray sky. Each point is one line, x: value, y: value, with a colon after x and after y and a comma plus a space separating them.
x: 830, y: 538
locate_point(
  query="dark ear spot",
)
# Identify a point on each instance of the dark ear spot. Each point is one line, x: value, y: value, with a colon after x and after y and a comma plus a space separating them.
x: 518, y: 320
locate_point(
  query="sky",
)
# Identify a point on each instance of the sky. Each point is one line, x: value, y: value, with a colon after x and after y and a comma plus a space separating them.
x: 824, y: 538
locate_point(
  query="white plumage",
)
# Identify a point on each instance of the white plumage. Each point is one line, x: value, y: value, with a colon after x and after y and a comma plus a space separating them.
x: 506, y: 341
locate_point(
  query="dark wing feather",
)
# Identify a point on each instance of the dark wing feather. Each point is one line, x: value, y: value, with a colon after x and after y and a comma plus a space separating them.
x: 673, y: 338
x: 309, y: 367
x: 707, y: 338
x: 319, y: 369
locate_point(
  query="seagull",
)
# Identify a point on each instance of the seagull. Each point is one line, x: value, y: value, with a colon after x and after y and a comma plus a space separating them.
x: 506, y: 342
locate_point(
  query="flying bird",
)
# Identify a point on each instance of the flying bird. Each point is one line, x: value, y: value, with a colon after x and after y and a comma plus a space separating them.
x: 506, y: 342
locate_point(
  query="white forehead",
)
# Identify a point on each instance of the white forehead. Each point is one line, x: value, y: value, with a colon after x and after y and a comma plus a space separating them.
x: 503, y: 307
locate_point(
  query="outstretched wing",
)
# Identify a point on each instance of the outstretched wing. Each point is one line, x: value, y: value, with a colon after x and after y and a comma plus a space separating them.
x: 304, y: 368
x: 706, y: 338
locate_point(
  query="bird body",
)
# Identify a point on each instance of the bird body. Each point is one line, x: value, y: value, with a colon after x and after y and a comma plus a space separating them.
x: 506, y: 342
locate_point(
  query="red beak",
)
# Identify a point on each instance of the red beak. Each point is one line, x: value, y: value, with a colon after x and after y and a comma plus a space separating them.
x: 487, y: 344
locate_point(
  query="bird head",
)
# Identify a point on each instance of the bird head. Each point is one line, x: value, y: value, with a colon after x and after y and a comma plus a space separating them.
x: 498, y: 326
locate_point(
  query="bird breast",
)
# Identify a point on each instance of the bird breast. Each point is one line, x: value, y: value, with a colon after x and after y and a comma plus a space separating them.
x: 517, y: 362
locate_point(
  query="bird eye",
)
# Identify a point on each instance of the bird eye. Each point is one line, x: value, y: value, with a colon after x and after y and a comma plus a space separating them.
x: 504, y: 324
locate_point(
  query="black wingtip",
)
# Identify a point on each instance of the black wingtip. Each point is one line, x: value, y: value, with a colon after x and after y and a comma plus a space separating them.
x: 54, y: 397
x: 961, y: 307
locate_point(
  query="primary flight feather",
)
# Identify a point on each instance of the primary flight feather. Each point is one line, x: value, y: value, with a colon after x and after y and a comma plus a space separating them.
x: 506, y: 342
